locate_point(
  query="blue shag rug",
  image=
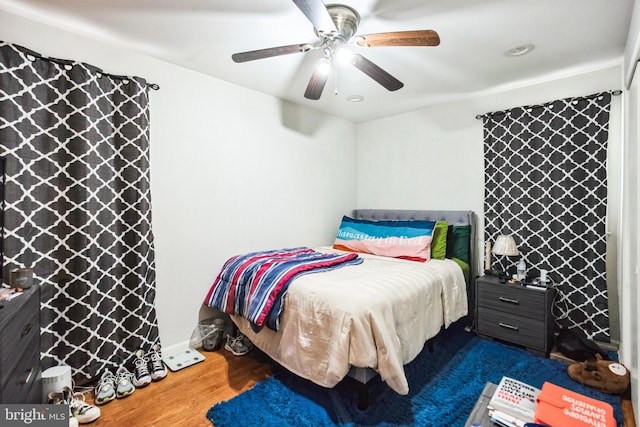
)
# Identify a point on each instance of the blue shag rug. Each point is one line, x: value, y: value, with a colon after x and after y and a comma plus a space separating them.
x: 443, y: 388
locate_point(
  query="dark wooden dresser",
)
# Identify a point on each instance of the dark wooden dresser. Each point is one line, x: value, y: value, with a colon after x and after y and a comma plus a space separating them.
x: 517, y: 314
x: 20, y: 372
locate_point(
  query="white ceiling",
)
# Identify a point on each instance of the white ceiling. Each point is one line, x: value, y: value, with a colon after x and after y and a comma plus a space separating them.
x: 570, y: 36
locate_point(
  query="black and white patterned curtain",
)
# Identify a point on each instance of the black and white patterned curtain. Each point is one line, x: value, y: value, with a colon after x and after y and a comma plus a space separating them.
x: 78, y: 206
x: 546, y: 185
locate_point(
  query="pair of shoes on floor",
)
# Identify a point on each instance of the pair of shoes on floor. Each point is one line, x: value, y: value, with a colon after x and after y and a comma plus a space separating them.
x: 110, y: 387
x: 238, y: 345
x: 148, y: 367
x: 80, y: 412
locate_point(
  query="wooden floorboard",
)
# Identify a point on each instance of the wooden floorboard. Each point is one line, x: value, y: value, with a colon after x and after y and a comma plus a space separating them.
x: 183, y: 397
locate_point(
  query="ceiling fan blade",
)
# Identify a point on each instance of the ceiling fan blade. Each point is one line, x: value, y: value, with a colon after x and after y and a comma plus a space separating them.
x: 317, y: 82
x: 376, y: 73
x: 399, y: 38
x: 269, y: 52
x: 317, y: 13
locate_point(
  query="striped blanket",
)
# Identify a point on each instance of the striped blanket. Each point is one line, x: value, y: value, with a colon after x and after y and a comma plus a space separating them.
x: 253, y: 285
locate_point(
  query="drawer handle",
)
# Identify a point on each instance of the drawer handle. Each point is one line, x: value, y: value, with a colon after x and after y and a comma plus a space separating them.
x: 508, y: 326
x: 26, y: 380
x: 26, y: 330
x: 509, y: 300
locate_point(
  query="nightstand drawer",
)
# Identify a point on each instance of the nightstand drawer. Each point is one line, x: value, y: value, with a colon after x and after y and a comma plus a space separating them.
x: 512, y: 328
x: 512, y: 299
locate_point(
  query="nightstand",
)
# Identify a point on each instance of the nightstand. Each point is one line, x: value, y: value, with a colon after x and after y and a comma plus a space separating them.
x: 514, y: 313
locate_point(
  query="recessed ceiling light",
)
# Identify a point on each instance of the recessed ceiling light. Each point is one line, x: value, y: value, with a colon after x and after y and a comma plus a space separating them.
x: 523, y: 49
x: 355, y: 98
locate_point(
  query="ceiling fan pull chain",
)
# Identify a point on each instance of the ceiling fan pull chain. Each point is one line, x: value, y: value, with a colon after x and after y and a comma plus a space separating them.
x: 335, y: 80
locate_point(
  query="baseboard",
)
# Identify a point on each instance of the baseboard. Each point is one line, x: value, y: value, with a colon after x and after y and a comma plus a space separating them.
x: 613, y: 345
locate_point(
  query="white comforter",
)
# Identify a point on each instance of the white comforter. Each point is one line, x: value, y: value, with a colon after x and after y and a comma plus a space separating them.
x: 378, y: 314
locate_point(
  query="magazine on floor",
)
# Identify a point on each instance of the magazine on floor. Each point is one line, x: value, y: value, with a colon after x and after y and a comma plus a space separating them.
x: 513, y: 403
x: 558, y: 406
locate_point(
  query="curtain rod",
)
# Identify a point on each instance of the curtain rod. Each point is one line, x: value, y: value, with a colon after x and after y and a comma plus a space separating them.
x: 616, y: 92
x: 32, y: 56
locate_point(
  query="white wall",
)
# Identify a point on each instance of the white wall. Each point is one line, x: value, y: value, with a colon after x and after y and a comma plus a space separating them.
x: 630, y: 217
x: 432, y: 158
x: 232, y: 170
x: 629, y: 277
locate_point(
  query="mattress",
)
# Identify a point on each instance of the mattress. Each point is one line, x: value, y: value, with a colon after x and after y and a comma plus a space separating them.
x: 378, y: 315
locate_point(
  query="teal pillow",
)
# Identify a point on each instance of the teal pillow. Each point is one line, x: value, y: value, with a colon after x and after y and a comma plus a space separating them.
x: 439, y: 241
x: 458, y: 238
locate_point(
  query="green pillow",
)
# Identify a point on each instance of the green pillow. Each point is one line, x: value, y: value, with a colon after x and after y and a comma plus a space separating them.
x: 439, y: 241
x: 464, y: 266
x: 458, y: 239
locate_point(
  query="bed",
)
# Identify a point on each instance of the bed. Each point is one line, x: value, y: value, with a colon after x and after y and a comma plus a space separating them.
x: 372, y: 318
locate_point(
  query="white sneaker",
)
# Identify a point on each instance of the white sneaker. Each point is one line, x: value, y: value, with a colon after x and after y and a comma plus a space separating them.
x: 56, y: 399
x: 105, y: 390
x: 158, y: 368
x: 124, y: 386
x: 80, y: 409
x: 141, y: 375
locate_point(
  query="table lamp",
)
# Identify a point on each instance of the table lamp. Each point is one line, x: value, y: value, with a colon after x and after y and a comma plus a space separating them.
x: 505, y: 246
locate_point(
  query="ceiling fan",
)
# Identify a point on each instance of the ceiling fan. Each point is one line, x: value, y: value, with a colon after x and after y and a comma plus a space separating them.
x: 336, y: 26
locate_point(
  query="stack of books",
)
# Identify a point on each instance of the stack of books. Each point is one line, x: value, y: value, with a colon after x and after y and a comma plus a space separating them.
x: 515, y: 404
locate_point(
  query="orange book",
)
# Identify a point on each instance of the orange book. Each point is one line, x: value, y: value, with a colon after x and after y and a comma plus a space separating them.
x: 559, y: 407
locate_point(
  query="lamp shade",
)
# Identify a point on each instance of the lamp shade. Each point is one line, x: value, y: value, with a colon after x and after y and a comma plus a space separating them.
x: 505, y: 245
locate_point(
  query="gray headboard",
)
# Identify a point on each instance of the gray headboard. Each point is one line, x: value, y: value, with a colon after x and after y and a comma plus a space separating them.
x: 452, y: 217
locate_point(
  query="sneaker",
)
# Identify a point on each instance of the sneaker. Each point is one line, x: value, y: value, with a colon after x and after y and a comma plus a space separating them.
x: 238, y: 345
x: 80, y: 409
x: 158, y: 368
x: 141, y: 376
x: 105, y: 390
x: 124, y: 386
x: 56, y: 399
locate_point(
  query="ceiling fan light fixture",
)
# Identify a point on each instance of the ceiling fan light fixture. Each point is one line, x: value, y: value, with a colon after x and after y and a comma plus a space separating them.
x: 355, y: 98
x: 343, y: 56
x: 324, y: 67
x: 519, y: 50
